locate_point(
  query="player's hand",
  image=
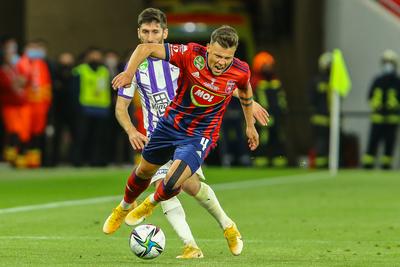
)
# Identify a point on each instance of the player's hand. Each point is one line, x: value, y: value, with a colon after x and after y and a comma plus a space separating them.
x: 252, y: 136
x: 124, y: 79
x: 260, y: 114
x: 137, y: 139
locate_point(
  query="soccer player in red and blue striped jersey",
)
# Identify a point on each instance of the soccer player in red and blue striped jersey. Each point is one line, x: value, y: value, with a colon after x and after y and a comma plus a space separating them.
x: 190, y: 126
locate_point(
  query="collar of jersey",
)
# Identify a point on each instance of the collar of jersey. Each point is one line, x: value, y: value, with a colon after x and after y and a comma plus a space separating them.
x: 227, y: 68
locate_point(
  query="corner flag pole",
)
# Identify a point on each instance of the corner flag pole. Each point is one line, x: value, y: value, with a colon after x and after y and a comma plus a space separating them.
x: 334, y: 139
x: 340, y: 85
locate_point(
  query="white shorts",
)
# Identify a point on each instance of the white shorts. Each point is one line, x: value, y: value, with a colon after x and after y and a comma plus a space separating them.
x: 162, y: 172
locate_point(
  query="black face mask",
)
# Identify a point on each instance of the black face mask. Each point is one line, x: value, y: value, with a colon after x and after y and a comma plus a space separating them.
x: 66, y: 70
x: 65, y: 67
x: 94, y: 64
x: 268, y: 74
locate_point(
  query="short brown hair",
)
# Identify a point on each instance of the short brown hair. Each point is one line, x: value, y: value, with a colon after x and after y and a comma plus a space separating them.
x: 150, y: 15
x: 225, y: 36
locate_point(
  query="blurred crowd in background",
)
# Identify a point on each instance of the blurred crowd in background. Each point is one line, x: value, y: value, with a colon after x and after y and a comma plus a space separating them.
x: 61, y: 111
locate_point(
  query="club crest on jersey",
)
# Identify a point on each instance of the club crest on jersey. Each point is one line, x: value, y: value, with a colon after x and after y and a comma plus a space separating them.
x: 199, y: 62
x: 202, y: 97
x: 230, y: 85
x: 144, y: 65
x: 176, y: 48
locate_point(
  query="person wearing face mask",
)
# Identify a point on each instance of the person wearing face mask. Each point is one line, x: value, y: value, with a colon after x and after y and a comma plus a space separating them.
x: 112, y: 62
x: 13, y: 105
x: 63, y: 104
x: 91, y: 83
x: 269, y: 93
x: 384, y: 100
x: 39, y: 97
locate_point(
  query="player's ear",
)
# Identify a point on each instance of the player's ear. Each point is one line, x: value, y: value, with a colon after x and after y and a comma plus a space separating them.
x: 165, y: 33
x: 208, y: 47
x: 138, y: 33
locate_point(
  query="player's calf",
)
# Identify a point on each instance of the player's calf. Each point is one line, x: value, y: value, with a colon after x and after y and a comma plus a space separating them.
x: 134, y: 187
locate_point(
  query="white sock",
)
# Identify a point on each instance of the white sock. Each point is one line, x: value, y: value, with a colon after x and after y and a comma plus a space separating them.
x: 152, y: 200
x: 125, y: 205
x: 207, y: 198
x: 175, y: 214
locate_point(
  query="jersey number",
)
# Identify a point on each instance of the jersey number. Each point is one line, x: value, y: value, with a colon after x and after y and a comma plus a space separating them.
x: 204, y: 142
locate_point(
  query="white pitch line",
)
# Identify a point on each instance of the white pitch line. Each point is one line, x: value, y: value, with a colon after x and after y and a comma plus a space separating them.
x: 53, y: 205
x: 218, y: 187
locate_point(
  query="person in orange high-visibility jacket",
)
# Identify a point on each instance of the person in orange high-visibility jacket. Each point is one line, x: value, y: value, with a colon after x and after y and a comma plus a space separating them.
x: 269, y: 93
x: 33, y: 65
x: 14, y: 109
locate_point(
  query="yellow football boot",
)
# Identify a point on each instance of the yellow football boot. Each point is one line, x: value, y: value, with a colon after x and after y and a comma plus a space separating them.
x: 141, y: 212
x: 234, y: 239
x: 116, y: 218
x: 190, y: 252
x: 10, y: 154
x: 20, y: 162
x: 34, y: 158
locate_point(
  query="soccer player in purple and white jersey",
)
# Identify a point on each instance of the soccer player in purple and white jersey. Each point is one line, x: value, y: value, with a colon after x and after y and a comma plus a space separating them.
x: 156, y: 82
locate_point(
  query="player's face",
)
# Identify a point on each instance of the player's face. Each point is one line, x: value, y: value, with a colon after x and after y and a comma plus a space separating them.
x: 152, y: 33
x: 219, y: 58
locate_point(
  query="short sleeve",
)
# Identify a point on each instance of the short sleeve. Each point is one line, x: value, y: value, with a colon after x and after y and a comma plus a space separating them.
x: 177, y: 53
x: 245, y: 79
x: 129, y: 91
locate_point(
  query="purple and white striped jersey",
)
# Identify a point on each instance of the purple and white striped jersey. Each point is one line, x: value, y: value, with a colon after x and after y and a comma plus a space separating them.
x: 156, y: 81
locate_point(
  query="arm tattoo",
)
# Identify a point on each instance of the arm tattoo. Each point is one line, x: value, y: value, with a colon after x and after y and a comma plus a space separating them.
x: 246, y: 99
x: 246, y: 104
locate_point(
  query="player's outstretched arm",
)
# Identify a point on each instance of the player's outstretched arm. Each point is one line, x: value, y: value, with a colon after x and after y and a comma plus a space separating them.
x: 137, y: 139
x: 141, y: 52
x: 246, y: 100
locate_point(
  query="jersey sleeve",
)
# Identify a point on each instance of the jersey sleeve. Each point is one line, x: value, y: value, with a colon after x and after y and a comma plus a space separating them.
x: 245, y: 79
x: 177, y: 54
x: 129, y: 91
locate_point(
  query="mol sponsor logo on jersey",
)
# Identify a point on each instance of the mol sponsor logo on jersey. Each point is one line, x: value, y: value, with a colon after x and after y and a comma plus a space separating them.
x: 205, y: 98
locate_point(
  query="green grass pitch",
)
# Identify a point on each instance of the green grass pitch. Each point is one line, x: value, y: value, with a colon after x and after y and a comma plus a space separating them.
x: 287, y: 217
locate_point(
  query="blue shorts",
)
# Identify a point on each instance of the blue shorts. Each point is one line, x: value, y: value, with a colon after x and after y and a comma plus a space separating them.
x: 168, y: 143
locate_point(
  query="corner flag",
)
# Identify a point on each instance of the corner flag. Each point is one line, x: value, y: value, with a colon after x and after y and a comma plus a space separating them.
x: 339, y: 78
x: 340, y: 84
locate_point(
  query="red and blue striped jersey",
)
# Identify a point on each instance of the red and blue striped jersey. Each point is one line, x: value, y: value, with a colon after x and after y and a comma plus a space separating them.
x: 202, y: 98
